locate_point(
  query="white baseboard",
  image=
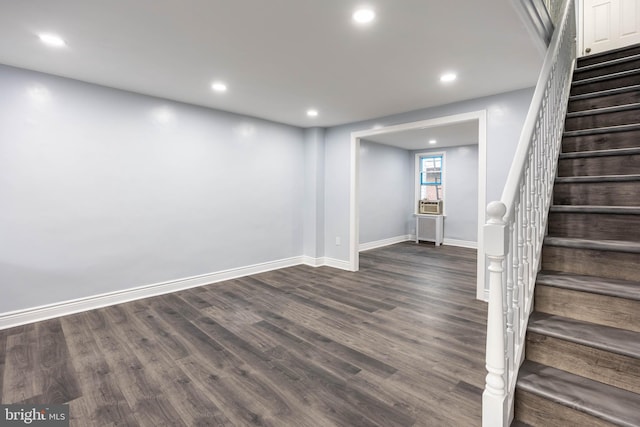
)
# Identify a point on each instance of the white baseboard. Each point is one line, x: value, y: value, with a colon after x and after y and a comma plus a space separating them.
x: 36, y: 314
x: 326, y: 262
x: 312, y: 262
x: 384, y: 242
x: 337, y: 263
x: 460, y: 243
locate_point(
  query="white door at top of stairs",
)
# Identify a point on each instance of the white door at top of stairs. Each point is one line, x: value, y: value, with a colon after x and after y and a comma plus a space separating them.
x: 609, y: 24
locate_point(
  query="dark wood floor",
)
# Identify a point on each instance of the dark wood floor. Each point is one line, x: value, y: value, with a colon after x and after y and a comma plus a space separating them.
x: 399, y: 343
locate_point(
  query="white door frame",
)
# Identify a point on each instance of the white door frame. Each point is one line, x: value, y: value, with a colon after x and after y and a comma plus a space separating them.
x: 580, y: 28
x: 354, y: 190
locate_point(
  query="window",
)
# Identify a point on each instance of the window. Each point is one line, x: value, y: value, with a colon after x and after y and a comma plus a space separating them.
x: 430, y: 178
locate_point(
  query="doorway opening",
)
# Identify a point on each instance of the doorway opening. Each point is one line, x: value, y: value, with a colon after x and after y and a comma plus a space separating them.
x: 480, y: 117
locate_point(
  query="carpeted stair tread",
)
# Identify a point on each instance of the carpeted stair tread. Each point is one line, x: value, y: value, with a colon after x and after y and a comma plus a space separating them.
x: 612, y: 210
x: 597, y: 178
x: 606, y: 92
x: 608, y: 63
x: 598, y: 245
x: 615, y: 340
x: 602, y: 130
x: 606, y: 77
x: 592, y: 284
x: 608, y: 55
x: 604, y: 110
x: 611, y: 404
x: 601, y: 153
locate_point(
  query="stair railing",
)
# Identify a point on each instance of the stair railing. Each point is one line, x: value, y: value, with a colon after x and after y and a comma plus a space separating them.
x: 554, y: 7
x: 516, y: 224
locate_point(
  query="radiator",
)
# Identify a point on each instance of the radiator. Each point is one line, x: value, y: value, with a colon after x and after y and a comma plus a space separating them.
x: 430, y: 228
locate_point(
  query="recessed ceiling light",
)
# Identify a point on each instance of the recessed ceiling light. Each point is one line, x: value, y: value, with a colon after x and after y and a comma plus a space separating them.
x: 448, y: 77
x: 432, y: 141
x: 364, y: 16
x: 312, y: 113
x: 52, y: 40
x: 219, y: 87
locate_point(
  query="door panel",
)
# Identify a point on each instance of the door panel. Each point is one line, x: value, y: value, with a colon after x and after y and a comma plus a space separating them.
x: 602, y: 22
x: 629, y: 19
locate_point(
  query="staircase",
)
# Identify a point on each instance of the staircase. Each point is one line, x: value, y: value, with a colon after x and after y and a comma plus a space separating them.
x: 582, y: 360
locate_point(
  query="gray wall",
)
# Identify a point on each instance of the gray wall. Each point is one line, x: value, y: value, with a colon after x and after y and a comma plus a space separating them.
x: 505, y: 116
x: 314, y: 192
x: 461, y: 191
x: 104, y: 190
x: 386, y: 191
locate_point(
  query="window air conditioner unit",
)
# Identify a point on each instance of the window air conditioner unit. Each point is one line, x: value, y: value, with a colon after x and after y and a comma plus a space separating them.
x: 430, y: 207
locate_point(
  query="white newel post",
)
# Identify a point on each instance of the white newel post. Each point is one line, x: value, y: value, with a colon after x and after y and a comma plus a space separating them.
x: 494, y: 398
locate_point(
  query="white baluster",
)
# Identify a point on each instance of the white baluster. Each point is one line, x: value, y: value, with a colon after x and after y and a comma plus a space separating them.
x: 509, y: 299
x: 534, y: 199
x: 523, y: 264
x: 530, y: 228
x: 515, y: 263
x: 538, y: 186
x: 524, y: 256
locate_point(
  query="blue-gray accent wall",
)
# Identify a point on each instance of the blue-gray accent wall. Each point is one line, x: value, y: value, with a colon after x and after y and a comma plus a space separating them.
x: 104, y: 190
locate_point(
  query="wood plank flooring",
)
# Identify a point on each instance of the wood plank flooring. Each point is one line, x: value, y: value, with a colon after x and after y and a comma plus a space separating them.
x: 399, y: 343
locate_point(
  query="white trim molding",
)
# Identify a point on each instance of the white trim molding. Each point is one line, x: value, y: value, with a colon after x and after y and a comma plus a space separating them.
x: 482, y: 202
x: 326, y: 262
x: 460, y: 243
x: 337, y: 263
x: 354, y: 203
x: 385, y: 242
x: 313, y: 262
x: 35, y: 314
x: 354, y: 214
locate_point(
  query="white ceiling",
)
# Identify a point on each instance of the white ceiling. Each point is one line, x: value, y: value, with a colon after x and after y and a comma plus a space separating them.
x: 279, y: 57
x: 451, y: 135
